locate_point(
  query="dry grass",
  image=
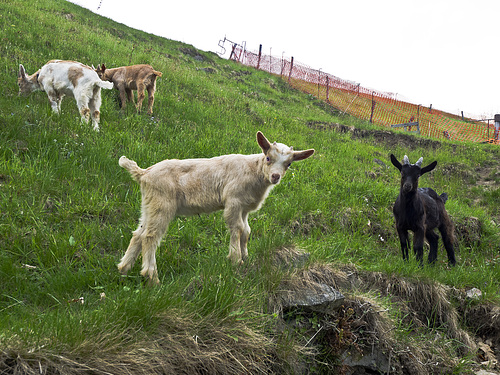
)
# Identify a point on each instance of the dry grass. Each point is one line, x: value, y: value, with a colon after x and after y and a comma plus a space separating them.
x: 424, y: 337
x: 179, y: 346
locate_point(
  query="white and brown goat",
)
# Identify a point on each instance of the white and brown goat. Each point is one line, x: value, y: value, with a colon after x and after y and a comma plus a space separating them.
x: 134, y: 77
x: 59, y: 78
x: 237, y: 184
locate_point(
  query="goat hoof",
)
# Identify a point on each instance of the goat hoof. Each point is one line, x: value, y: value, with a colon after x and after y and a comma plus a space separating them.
x: 153, y: 282
x: 123, y: 269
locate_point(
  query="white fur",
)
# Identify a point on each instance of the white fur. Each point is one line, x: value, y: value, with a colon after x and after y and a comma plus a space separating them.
x: 237, y: 184
x: 59, y: 78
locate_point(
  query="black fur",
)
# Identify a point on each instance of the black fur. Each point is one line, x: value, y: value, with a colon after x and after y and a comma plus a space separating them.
x: 421, y: 210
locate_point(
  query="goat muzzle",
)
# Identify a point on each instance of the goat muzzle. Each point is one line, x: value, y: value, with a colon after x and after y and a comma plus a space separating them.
x: 407, y: 187
x: 275, y: 178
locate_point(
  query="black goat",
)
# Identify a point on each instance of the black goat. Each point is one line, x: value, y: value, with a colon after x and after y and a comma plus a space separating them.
x: 421, y: 210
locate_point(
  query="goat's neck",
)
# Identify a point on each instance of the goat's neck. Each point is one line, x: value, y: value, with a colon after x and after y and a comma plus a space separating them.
x: 109, y: 73
x: 34, y: 80
x: 408, y: 199
x: 261, y: 179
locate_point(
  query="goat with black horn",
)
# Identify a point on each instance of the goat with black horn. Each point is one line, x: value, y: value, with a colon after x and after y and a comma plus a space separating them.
x: 421, y: 210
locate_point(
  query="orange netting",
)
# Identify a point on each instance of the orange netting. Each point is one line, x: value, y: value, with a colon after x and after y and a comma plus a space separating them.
x: 379, y: 108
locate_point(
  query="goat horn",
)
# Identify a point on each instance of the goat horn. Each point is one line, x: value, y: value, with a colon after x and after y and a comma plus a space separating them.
x: 406, y: 160
x: 419, y: 162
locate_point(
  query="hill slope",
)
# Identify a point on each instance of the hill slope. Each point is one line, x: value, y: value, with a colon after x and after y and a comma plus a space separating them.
x: 67, y: 211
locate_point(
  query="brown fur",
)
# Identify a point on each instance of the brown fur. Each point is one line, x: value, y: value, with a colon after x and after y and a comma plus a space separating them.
x: 74, y: 74
x: 128, y: 78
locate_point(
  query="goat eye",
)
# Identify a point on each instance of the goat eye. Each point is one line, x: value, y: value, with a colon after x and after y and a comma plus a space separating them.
x: 268, y: 159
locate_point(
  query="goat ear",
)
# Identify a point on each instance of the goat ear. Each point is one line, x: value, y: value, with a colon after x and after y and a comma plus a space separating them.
x: 428, y: 168
x: 301, y: 155
x: 263, y: 142
x: 22, y: 72
x: 395, y: 162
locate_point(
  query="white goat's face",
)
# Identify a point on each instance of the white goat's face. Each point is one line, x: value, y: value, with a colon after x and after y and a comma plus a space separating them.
x: 279, y: 157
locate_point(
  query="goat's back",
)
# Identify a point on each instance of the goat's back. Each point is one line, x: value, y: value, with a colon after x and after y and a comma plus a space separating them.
x: 68, y: 76
x: 432, y: 193
x: 204, y: 185
x: 131, y: 75
x: 426, y: 205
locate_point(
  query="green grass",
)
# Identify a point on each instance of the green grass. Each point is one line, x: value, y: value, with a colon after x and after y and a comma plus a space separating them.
x: 67, y: 209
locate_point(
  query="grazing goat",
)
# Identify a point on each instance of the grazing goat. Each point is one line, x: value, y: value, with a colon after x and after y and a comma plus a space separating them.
x: 59, y: 78
x: 237, y: 184
x: 421, y: 210
x: 135, y: 77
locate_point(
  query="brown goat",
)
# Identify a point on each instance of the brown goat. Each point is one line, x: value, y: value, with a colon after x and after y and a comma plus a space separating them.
x: 135, y: 77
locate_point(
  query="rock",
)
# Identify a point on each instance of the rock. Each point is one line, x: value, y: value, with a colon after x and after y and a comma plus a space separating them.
x: 473, y: 293
x: 312, y: 296
x: 484, y: 372
x: 373, y: 362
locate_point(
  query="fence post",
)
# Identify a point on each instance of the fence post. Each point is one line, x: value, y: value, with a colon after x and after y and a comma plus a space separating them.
x: 497, y: 126
x: 232, y: 52
x: 373, y: 107
x: 327, y: 89
x: 290, y: 73
x: 260, y: 54
x: 282, y: 65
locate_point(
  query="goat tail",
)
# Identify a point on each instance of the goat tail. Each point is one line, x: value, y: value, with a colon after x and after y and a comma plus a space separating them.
x: 104, y: 84
x: 444, y: 197
x: 132, y: 167
x: 157, y: 73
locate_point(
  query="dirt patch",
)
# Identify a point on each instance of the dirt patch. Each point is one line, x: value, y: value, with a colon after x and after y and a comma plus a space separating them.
x: 468, y: 232
x: 310, y: 222
x: 389, y: 138
x: 391, y: 324
x: 485, y: 321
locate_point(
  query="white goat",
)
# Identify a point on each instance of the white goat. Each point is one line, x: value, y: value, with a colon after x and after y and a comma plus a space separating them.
x: 237, y: 184
x: 59, y: 78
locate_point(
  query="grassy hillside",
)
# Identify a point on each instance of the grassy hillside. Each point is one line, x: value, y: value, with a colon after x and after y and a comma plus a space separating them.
x: 67, y: 211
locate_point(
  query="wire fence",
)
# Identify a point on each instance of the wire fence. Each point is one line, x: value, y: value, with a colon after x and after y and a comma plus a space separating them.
x: 377, y: 107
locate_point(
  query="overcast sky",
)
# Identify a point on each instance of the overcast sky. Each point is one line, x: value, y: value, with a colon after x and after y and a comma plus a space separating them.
x: 440, y: 52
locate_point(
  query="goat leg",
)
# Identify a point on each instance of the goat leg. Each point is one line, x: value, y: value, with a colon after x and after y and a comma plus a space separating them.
x: 405, y: 243
x: 448, y: 245
x: 418, y: 245
x: 433, y: 239
x: 245, y: 234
